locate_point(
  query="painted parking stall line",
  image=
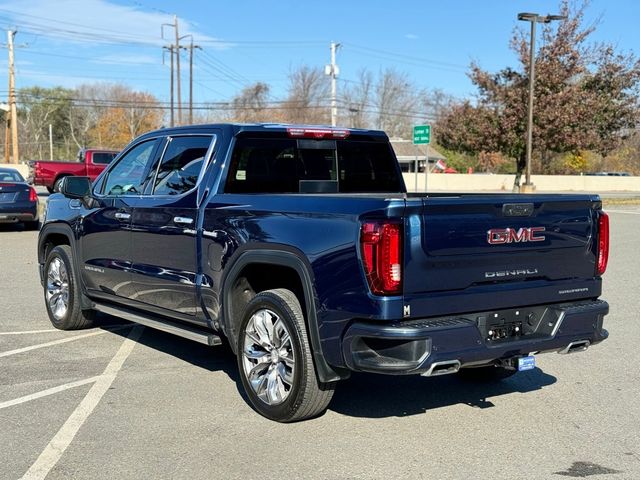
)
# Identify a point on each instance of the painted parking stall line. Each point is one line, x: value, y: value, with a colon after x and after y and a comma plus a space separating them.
x: 61, y: 441
x: 47, y: 392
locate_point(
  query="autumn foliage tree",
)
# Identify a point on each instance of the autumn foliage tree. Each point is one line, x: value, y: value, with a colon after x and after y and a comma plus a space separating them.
x: 586, y: 98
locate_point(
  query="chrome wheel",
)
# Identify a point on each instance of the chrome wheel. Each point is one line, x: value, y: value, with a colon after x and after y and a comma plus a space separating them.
x: 58, y: 288
x: 268, y: 357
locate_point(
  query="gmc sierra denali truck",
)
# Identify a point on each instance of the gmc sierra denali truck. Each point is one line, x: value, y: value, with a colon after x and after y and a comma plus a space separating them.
x: 301, y: 246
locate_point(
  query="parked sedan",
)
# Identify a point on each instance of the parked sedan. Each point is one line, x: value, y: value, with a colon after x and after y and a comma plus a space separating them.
x: 18, y: 200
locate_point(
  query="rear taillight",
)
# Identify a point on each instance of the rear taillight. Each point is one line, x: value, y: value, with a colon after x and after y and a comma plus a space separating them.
x: 381, y: 246
x: 33, y: 195
x: 603, y: 244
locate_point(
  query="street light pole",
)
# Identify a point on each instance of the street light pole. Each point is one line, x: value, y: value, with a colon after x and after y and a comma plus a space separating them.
x: 534, y: 18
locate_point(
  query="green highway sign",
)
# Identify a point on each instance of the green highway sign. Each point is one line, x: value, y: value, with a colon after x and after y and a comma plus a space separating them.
x: 421, y: 134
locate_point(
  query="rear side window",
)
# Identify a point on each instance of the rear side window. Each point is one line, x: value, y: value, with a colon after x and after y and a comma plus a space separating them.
x: 181, y: 164
x: 284, y: 165
x: 102, y: 158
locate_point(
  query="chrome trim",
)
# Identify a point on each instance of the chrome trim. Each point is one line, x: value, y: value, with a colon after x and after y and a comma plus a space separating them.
x: 122, y: 216
x: 183, y: 220
x: 454, y: 366
x: 575, y: 347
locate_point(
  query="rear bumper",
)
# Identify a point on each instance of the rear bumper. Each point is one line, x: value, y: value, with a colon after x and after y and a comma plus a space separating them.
x: 423, y: 346
x: 21, y: 212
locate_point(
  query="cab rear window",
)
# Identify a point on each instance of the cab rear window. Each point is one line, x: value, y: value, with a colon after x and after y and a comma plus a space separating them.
x: 284, y: 165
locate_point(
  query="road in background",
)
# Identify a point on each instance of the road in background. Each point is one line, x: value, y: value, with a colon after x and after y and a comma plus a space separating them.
x: 174, y: 409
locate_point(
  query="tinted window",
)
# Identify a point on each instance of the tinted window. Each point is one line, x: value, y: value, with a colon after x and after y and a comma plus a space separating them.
x: 102, y: 158
x: 181, y: 164
x: 281, y: 165
x: 10, y: 176
x: 127, y: 176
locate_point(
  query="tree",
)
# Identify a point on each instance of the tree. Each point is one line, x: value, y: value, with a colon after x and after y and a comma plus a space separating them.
x: 308, y: 97
x: 356, y: 101
x: 126, y: 114
x: 395, y: 101
x: 585, y: 98
x: 251, y: 104
x: 39, y: 108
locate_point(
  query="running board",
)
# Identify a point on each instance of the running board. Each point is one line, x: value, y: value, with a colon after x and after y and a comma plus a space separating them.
x: 175, y: 328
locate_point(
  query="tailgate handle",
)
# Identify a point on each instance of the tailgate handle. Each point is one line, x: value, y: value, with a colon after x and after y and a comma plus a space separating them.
x: 517, y: 209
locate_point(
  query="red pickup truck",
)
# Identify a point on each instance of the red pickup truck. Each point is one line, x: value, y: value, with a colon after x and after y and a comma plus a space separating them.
x: 90, y: 163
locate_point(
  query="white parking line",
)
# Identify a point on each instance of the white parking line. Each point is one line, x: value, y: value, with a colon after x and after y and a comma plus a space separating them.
x: 59, y: 443
x: 49, y: 344
x: 31, y: 331
x: 47, y: 392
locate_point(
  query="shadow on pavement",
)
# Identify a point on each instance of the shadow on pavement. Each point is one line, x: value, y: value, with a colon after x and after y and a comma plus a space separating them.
x: 363, y: 395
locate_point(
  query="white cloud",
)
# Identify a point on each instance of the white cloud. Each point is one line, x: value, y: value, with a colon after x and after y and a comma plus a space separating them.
x: 92, y: 22
x: 411, y: 36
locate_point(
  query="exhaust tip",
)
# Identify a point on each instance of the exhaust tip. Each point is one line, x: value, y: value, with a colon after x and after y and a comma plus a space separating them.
x: 442, y: 368
x: 574, y: 347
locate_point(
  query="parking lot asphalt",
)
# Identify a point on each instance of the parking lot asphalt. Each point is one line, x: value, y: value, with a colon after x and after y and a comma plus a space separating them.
x: 121, y: 402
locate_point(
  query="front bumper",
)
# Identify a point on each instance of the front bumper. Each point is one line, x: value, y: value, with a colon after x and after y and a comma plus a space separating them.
x: 484, y: 338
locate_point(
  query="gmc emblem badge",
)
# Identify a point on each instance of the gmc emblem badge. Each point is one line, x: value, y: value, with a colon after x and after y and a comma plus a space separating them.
x: 499, y: 236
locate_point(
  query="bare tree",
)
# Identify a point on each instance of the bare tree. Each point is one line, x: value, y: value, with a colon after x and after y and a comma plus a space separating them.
x: 251, y: 105
x: 357, y: 100
x: 308, y: 96
x: 396, y: 103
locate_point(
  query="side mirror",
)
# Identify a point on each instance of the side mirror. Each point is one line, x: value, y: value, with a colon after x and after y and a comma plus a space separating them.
x: 76, y: 187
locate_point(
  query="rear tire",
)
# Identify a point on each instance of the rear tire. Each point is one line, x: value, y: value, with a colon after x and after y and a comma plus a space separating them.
x: 56, y: 185
x: 275, y: 359
x: 50, y: 190
x: 62, y: 292
x: 486, y: 374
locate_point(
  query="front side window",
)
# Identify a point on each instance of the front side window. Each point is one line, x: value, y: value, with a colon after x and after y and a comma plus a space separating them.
x: 181, y: 165
x: 128, y: 175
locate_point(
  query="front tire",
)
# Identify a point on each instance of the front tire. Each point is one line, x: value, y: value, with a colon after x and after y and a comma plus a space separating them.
x: 62, y: 292
x: 275, y: 359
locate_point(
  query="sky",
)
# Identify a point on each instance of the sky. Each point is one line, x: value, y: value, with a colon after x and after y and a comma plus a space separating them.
x: 71, y: 42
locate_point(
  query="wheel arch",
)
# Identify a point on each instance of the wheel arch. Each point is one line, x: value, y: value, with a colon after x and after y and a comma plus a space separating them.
x: 54, y: 234
x: 282, y: 257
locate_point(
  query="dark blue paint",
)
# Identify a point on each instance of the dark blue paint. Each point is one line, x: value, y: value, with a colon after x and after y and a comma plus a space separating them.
x: 151, y: 262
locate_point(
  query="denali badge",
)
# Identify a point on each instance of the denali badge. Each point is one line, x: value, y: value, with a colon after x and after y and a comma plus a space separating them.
x: 498, y: 236
x: 511, y: 273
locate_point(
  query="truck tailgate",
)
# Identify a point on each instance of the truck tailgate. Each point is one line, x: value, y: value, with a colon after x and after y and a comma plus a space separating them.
x: 515, y: 247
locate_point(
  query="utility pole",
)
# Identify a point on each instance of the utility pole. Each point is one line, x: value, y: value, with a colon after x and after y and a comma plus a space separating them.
x: 51, y: 141
x: 170, y: 48
x: 13, y: 113
x: 191, y: 47
x: 175, y: 22
x: 333, y: 70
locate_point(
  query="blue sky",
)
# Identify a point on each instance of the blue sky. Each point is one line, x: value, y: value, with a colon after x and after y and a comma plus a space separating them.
x: 70, y: 42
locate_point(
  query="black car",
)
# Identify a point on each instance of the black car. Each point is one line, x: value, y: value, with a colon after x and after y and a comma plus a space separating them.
x: 18, y: 200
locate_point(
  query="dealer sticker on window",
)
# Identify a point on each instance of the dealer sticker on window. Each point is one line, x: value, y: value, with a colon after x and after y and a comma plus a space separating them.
x: 526, y: 363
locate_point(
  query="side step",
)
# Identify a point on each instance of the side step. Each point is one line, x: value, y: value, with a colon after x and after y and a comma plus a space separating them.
x: 175, y: 328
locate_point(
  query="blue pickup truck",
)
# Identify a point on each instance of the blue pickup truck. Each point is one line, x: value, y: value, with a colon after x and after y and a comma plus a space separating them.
x: 301, y: 247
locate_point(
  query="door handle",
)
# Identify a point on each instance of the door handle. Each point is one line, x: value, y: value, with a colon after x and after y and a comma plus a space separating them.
x: 122, y: 216
x: 183, y: 220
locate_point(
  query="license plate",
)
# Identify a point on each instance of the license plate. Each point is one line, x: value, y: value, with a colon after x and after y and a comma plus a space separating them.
x: 526, y: 363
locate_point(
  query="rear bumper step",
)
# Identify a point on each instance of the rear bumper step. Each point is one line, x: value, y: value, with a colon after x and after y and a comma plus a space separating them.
x: 439, y: 346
